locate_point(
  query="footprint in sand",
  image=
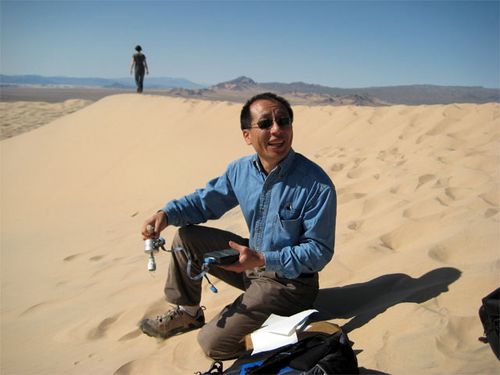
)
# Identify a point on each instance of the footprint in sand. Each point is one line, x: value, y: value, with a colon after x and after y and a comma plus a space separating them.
x: 420, y: 139
x: 322, y: 152
x: 358, y: 172
x: 387, y: 241
x: 442, y: 182
x: 101, y: 330
x: 355, y: 225
x: 96, y: 258
x: 490, y: 212
x: 358, y: 161
x: 394, y: 189
x: 347, y: 197
x: 450, y: 251
x: 71, y: 257
x: 491, y: 197
x: 35, y: 308
x: 337, y: 167
x: 450, y: 195
x: 424, y: 179
x: 439, y: 253
x: 381, y: 155
x: 443, y: 202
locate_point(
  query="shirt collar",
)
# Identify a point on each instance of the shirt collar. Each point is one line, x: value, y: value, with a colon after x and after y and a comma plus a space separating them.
x: 282, y: 168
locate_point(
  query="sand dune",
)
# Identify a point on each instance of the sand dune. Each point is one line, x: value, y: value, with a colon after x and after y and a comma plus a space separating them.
x: 417, y: 242
x: 21, y: 116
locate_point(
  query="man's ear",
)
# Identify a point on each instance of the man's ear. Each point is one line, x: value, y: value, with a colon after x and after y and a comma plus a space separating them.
x: 247, y: 136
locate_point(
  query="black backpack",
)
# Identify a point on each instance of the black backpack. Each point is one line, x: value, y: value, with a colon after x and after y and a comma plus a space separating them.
x: 315, y: 355
x: 489, y: 313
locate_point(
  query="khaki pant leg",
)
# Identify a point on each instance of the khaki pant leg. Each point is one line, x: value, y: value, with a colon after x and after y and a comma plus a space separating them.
x: 223, y: 337
x: 197, y: 240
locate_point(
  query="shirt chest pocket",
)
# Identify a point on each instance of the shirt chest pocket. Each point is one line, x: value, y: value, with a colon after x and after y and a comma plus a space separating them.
x: 288, y: 212
x: 288, y: 228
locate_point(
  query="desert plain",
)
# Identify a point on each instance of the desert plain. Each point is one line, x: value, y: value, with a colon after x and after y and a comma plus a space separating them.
x: 417, y: 236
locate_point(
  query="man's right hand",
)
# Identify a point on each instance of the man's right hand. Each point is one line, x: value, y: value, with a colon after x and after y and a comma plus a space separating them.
x: 158, y: 221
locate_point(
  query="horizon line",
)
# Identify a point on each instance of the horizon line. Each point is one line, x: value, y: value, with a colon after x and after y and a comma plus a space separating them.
x: 245, y: 76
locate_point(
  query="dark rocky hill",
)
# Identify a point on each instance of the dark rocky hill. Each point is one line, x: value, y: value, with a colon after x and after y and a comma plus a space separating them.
x: 242, y: 88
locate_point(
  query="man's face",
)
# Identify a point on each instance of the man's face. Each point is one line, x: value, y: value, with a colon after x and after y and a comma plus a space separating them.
x: 273, y: 144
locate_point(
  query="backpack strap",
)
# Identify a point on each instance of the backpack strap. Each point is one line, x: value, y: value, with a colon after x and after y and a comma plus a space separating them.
x: 286, y: 354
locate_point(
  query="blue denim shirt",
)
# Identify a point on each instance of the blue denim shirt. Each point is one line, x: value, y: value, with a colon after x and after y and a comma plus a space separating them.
x: 290, y: 212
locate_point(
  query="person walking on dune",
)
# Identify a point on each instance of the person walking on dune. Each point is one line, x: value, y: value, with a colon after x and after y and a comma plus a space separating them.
x: 139, y: 66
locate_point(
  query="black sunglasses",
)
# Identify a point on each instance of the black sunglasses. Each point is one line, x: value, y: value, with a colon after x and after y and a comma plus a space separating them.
x: 267, y: 123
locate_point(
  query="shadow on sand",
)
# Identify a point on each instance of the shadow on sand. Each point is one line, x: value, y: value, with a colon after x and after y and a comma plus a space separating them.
x: 363, y: 302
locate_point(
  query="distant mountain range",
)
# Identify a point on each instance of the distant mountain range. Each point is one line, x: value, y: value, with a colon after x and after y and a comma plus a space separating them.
x: 242, y: 88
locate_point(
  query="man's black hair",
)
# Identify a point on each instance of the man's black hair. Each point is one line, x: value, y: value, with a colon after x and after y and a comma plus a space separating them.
x: 246, y: 116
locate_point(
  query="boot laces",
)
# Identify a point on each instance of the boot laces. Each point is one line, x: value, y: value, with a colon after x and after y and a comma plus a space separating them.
x: 173, y: 313
x: 169, y: 315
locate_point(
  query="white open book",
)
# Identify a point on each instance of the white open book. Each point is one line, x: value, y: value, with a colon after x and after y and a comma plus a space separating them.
x: 279, y: 331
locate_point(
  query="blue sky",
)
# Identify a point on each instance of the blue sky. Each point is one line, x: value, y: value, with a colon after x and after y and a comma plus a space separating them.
x: 333, y: 43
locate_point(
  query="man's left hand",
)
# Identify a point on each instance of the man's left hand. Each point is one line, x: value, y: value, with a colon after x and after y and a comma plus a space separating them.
x: 249, y: 259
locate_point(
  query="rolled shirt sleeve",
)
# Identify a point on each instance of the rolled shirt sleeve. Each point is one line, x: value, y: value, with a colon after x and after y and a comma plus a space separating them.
x: 209, y: 203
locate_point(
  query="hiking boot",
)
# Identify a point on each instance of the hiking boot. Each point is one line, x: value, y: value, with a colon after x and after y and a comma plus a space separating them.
x: 172, y: 323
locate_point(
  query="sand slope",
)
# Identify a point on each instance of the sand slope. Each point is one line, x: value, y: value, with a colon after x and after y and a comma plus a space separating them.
x: 417, y: 237
x: 22, y: 116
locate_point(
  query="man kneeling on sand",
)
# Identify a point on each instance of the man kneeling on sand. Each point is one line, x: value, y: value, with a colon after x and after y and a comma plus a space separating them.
x: 289, y: 204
